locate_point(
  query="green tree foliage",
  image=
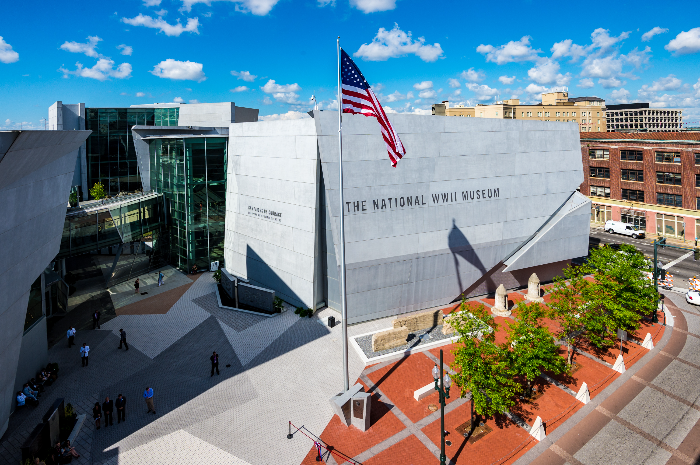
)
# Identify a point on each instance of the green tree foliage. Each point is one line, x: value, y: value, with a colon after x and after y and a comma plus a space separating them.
x: 482, y: 366
x: 97, y: 191
x: 533, y: 349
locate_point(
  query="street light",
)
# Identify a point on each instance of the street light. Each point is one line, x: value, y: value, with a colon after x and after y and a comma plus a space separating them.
x: 444, y: 392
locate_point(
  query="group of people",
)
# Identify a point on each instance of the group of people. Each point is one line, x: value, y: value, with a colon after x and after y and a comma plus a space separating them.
x: 106, y: 411
x: 31, y: 391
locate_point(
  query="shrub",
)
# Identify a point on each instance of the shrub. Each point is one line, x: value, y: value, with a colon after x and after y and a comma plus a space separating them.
x: 217, y: 276
x: 302, y: 312
x: 97, y: 191
x: 277, y: 304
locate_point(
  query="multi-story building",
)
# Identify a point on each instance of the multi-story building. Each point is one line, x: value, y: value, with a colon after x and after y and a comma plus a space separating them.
x: 650, y: 180
x: 638, y: 117
x: 588, y: 112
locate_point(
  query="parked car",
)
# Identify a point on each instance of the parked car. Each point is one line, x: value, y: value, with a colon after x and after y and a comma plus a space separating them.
x: 618, y: 227
x: 693, y: 297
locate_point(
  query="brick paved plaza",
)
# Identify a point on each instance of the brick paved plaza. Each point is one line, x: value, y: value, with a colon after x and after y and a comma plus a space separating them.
x: 286, y: 368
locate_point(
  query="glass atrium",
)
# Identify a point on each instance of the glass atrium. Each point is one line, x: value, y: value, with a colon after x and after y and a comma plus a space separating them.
x: 190, y: 171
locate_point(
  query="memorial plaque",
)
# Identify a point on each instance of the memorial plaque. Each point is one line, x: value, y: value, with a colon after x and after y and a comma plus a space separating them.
x: 256, y: 297
x: 358, y: 407
x: 361, y: 403
x: 228, y: 283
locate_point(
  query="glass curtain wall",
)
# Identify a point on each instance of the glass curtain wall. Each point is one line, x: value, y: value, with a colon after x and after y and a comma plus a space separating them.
x: 191, y: 174
x: 111, y: 157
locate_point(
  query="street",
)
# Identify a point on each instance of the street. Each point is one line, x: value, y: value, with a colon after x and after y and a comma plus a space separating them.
x: 681, y: 271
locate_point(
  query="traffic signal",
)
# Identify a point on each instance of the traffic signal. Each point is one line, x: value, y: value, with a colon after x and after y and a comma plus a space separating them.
x: 696, y: 254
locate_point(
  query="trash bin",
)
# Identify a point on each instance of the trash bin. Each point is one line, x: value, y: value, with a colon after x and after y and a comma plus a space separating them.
x: 331, y: 321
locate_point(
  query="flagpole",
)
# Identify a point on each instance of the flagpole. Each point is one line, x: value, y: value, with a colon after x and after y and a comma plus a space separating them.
x: 343, y: 300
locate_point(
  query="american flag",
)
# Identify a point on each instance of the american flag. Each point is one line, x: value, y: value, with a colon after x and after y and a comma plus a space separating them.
x: 358, y: 98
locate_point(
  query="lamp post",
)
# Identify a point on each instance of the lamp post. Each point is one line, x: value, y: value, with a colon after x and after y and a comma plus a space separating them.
x: 444, y: 392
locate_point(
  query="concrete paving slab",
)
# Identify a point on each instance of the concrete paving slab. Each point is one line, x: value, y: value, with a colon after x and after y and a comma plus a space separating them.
x: 681, y: 380
x: 621, y: 446
x: 123, y: 294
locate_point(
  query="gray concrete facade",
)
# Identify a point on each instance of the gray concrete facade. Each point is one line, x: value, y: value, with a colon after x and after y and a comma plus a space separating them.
x: 71, y: 117
x: 469, y: 194
x: 36, y: 171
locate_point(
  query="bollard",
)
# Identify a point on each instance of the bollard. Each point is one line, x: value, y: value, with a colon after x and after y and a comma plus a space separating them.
x: 290, y: 435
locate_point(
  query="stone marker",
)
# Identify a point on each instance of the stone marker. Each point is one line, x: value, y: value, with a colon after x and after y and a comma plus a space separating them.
x: 537, y: 430
x: 424, y: 392
x: 583, y: 395
x: 648, y: 343
x: 389, y: 339
x: 341, y: 403
x: 361, y: 403
x: 501, y: 306
x: 418, y: 321
x: 533, y: 289
x: 619, y: 365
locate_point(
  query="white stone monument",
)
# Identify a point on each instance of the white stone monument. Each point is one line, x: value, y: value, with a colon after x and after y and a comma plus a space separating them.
x: 537, y: 430
x: 533, y: 289
x: 583, y: 394
x: 648, y: 342
x: 501, y: 306
x: 361, y: 407
x: 619, y: 365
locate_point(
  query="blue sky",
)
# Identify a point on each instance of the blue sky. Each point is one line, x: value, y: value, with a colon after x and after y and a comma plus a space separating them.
x: 275, y: 54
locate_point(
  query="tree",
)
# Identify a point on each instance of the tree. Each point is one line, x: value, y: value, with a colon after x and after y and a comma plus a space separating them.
x: 97, y: 191
x: 482, y: 366
x: 533, y: 349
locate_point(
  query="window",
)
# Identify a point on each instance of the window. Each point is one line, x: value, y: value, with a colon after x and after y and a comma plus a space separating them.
x: 697, y: 207
x: 600, y: 172
x: 522, y: 113
x: 635, y: 218
x: 573, y: 113
x: 600, y: 213
x: 633, y: 175
x: 668, y: 157
x: 539, y: 113
x: 673, y: 179
x: 546, y: 113
x: 583, y: 113
x: 697, y: 180
x: 631, y: 155
x: 671, y: 200
x: 697, y: 158
x: 599, y: 154
x: 669, y: 225
x: 598, y: 114
x: 496, y: 113
x: 558, y: 113
x: 600, y: 191
x: 634, y: 196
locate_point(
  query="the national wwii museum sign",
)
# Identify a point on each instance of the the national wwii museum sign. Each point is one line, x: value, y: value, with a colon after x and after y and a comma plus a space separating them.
x: 421, y: 200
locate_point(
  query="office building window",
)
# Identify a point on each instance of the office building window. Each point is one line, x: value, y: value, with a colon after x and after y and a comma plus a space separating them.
x: 697, y: 180
x: 632, y: 195
x: 673, y: 179
x: 672, y: 200
x: 631, y: 155
x: 573, y: 113
x: 697, y: 158
x: 600, y: 191
x: 635, y: 218
x: 697, y: 207
x: 600, y: 172
x: 598, y: 114
x: 522, y: 113
x: 599, y: 154
x: 633, y: 175
x: 600, y: 213
x: 558, y: 113
x: 546, y: 113
x: 496, y: 113
x: 670, y: 225
x: 668, y: 157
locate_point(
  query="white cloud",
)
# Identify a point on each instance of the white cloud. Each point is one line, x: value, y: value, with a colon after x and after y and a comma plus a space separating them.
x: 619, y: 96
x: 396, y: 96
x: 513, y: 51
x: 286, y: 93
x: 86, y: 48
x: 696, y: 86
x: 473, y: 76
x: 507, y: 80
x: 547, y: 72
x: 7, y: 55
x: 372, y: 6
x: 178, y: 100
x: 161, y: 12
x: 140, y: 94
x: 423, y: 85
x: 602, y: 67
x: 194, y: 100
x: 585, y: 83
x: 685, y: 42
x: 179, y: 70
x: 567, y: 48
x: 285, y: 116
x: 457, y: 92
x: 611, y: 82
x: 453, y: 83
x: 602, y: 39
x: 646, y: 37
x: 396, y: 43
x: 535, y: 89
x: 323, y: 3
x: 244, y: 75
x: 482, y: 91
x: 162, y: 25
x: 151, y: 2
x: 239, y: 89
x: 103, y: 70
x: 670, y: 82
x: 256, y: 7
x: 268, y: 101
x: 427, y: 94
x: 125, y: 49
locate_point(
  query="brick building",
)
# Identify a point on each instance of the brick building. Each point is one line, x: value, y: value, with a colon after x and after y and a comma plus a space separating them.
x: 651, y: 180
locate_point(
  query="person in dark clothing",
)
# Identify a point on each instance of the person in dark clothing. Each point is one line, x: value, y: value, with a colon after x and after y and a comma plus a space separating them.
x: 122, y: 339
x: 136, y: 286
x: 121, y: 408
x: 96, y: 319
x: 214, y: 363
x: 97, y: 414
x: 107, y: 409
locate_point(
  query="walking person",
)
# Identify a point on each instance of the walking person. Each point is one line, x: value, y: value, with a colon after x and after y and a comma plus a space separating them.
x: 160, y: 278
x: 84, y: 352
x: 107, y: 409
x: 71, y: 337
x: 136, y: 286
x: 214, y: 363
x: 96, y: 319
x: 122, y: 339
x: 97, y: 414
x: 120, y: 403
x: 148, y: 395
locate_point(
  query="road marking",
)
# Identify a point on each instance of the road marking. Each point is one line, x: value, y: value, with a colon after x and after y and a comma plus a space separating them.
x: 678, y: 260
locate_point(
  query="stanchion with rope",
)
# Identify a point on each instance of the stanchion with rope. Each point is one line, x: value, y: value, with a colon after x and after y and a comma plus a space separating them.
x: 319, y: 445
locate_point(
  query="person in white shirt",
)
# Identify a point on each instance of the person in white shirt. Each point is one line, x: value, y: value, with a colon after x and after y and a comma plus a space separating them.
x: 71, y: 337
x: 84, y: 350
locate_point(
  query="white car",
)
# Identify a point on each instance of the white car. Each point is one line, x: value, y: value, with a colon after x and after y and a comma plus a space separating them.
x: 693, y: 297
x: 618, y: 227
